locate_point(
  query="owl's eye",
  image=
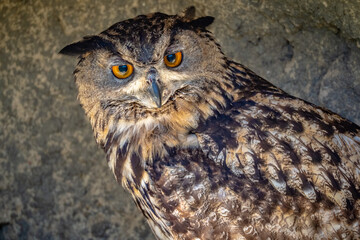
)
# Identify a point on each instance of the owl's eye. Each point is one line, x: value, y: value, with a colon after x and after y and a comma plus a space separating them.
x: 122, y: 71
x: 173, y: 60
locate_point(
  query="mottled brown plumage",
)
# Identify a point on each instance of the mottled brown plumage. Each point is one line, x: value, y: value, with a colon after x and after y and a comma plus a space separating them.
x: 226, y: 155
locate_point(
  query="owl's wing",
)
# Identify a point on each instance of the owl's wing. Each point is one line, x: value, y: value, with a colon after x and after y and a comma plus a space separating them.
x: 292, y: 144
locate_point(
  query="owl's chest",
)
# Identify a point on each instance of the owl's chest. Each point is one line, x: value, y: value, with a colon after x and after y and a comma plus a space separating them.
x: 189, y: 197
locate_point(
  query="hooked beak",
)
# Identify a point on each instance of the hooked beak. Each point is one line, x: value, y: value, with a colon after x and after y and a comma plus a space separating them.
x: 154, y: 89
x: 155, y: 93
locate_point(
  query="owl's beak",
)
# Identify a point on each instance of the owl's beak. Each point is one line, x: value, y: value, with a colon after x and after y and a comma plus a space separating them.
x: 155, y: 93
x: 152, y: 78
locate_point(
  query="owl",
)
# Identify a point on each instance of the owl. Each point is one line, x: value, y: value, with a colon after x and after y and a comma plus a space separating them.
x: 207, y: 148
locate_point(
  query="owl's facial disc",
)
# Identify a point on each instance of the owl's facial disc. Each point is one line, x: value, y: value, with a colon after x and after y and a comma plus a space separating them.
x: 153, y: 80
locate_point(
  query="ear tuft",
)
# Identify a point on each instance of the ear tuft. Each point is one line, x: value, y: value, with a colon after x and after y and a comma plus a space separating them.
x: 202, y: 22
x: 188, y: 14
x: 88, y: 44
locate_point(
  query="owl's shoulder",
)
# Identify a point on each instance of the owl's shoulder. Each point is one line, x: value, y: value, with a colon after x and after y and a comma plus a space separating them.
x: 298, y: 147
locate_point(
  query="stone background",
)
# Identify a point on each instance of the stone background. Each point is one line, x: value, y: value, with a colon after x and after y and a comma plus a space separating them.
x: 54, y: 180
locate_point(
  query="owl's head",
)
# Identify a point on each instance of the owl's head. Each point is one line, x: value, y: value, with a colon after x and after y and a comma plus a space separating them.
x: 151, y: 66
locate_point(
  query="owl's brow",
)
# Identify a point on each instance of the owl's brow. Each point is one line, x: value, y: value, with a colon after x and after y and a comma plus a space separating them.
x: 89, y: 43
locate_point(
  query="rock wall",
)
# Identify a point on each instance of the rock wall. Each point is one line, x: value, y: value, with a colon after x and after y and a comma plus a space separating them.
x: 54, y: 180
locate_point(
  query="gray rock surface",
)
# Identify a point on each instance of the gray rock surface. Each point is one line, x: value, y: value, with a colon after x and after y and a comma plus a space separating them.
x: 54, y: 180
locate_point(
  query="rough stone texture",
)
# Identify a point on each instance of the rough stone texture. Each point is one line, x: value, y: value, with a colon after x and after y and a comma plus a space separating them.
x: 54, y: 180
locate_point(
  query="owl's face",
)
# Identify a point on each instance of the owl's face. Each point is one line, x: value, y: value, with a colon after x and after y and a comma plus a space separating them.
x: 148, y: 64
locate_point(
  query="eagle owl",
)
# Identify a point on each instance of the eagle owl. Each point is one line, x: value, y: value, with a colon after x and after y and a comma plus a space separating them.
x: 208, y: 149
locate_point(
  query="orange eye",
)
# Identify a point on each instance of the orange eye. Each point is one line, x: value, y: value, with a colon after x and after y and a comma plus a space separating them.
x: 173, y: 60
x: 122, y: 71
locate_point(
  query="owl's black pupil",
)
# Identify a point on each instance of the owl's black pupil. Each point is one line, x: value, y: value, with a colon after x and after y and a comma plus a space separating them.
x: 123, y: 68
x: 171, y: 58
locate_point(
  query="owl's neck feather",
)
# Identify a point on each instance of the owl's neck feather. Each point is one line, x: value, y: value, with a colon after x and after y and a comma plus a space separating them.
x: 131, y: 144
